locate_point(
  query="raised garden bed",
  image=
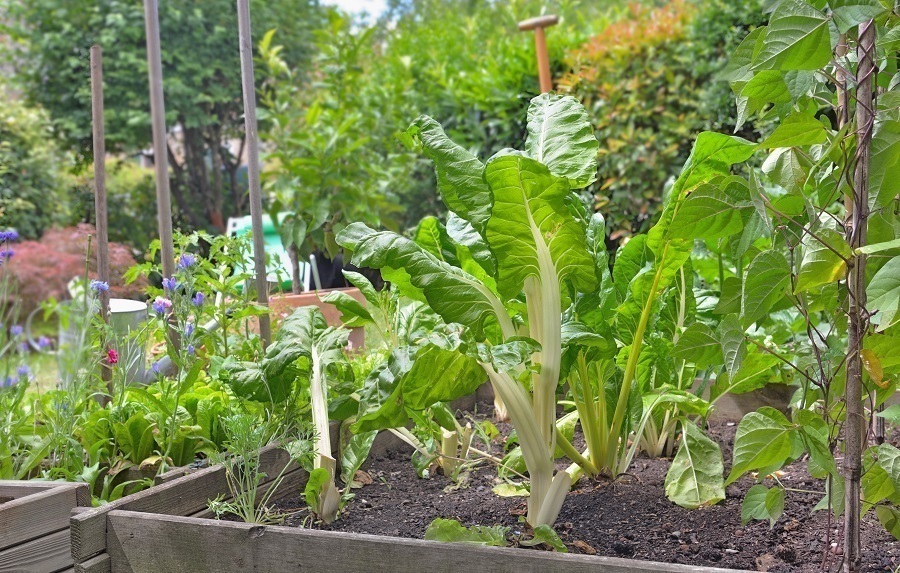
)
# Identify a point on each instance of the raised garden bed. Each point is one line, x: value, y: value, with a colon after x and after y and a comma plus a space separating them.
x: 34, y: 525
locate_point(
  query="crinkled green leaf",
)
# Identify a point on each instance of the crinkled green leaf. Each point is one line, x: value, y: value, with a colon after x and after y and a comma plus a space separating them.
x: 452, y: 531
x: 695, y: 477
x: 561, y: 137
x: 764, y: 282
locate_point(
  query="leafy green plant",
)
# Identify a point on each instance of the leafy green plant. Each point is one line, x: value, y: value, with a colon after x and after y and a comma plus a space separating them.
x: 521, y: 251
x: 807, y: 271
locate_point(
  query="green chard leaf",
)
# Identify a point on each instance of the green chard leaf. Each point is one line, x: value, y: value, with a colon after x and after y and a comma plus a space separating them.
x: 561, y: 137
x: 695, y: 476
x: 452, y: 531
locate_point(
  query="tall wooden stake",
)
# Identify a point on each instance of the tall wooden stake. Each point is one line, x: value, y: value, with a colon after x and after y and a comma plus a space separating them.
x: 856, y: 284
x: 100, y: 189
x: 256, y: 212
x: 160, y: 149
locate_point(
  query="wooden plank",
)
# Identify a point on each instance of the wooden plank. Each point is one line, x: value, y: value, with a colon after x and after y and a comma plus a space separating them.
x: 41, y: 513
x: 182, y: 496
x: 43, y: 555
x: 98, y: 564
x: 15, y: 488
x: 143, y: 543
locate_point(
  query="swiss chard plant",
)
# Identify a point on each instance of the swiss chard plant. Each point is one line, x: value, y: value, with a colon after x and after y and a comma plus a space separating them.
x: 809, y: 277
x: 520, y: 267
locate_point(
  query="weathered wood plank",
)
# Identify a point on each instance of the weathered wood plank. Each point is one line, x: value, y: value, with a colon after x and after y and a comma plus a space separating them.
x: 146, y: 543
x: 98, y: 564
x: 43, y: 512
x: 185, y: 495
x: 15, y: 489
x: 46, y: 554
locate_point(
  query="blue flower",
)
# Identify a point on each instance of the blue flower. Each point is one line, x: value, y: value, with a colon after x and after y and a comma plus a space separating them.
x: 16, y: 330
x: 44, y: 343
x: 23, y: 371
x: 169, y: 283
x: 24, y: 347
x: 156, y: 367
x: 187, y: 260
x: 198, y: 299
x: 9, y: 382
x: 10, y: 235
x: 191, y: 349
x: 161, y: 305
x: 189, y: 329
x: 99, y: 286
x: 7, y: 254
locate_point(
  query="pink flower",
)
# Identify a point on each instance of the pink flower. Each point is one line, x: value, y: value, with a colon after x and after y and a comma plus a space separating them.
x: 112, y: 357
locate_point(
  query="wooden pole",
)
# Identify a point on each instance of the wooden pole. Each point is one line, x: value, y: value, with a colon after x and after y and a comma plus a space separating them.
x: 100, y: 176
x: 100, y: 192
x: 256, y: 212
x: 855, y: 433
x: 540, y: 47
x: 160, y: 147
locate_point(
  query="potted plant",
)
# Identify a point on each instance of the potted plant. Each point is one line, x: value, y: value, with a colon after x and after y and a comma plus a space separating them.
x: 316, y: 172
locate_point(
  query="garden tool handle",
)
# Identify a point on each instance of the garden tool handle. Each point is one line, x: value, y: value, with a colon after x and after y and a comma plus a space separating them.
x: 540, y: 44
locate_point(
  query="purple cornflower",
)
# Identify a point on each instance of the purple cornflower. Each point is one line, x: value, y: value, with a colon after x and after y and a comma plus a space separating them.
x: 24, y: 347
x: 191, y: 349
x: 16, y: 330
x: 189, y: 329
x: 99, y: 286
x: 198, y: 299
x: 9, y: 382
x: 23, y: 371
x: 10, y: 235
x: 169, y: 284
x: 155, y: 367
x: 44, y: 342
x: 7, y: 254
x: 187, y: 260
x: 161, y: 305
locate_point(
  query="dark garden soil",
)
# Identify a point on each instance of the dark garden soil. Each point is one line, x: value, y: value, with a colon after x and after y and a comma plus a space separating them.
x: 628, y: 518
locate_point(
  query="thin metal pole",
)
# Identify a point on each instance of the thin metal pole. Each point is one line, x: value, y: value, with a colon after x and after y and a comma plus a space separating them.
x: 249, y: 89
x: 160, y: 149
x: 100, y: 191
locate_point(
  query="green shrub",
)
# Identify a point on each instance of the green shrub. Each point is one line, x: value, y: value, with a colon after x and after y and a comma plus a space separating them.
x: 650, y: 82
x: 32, y: 170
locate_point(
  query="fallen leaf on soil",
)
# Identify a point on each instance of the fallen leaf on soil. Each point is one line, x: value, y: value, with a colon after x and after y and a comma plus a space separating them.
x: 521, y: 509
x: 584, y: 547
x: 362, y: 477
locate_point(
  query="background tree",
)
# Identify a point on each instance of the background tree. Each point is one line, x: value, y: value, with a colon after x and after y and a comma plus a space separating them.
x: 201, y: 73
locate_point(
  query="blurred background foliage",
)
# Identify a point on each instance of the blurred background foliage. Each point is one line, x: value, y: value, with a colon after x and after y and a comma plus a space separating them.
x: 335, y: 91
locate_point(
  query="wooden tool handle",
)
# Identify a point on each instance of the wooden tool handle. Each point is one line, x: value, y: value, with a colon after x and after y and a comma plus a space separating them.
x: 539, y: 22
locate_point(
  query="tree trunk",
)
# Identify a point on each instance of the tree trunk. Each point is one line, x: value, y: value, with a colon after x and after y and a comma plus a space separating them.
x: 214, y: 142
x: 856, y: 283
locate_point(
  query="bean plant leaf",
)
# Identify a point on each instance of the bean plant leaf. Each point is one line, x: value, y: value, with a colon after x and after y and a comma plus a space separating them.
x: 767, y: 86
x: 822, y: 264
x: 891, y: 414
x: 849, y: 13
x: 708, y: 212
x: 888, y: 458
x: 764, y: 283
x: 561, y: 137
x: 889, y: 516
x: 452, y: 531
x: 699, y: 346
x: 763, y: 440
x: 713, y: 154
x: 797, y: 38
x: 883, y: 294
x: 695, y: 476
x: 884, y: 167
x: 355, y: 453
x: 761, y: 502
x: 797, y: 130
x: 531, y: 227
x: 731, y: 337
